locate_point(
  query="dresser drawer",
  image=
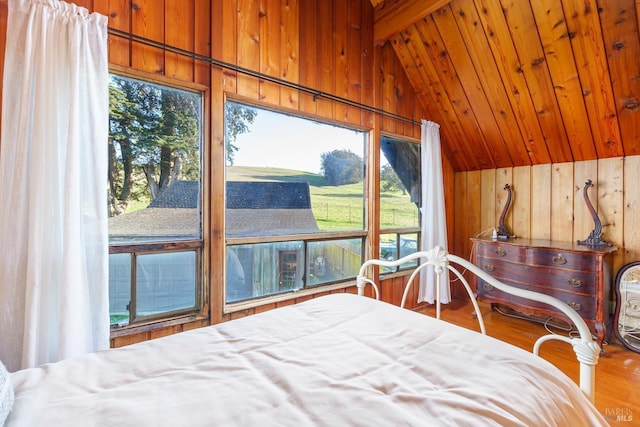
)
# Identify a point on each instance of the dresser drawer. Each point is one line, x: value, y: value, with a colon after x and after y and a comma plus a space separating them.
x: 559, y: 258
x: 546, y: 280
x: 584, y: 305
x: 508, y: 253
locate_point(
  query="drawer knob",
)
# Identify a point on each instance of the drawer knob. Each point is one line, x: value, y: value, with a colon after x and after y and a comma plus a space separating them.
x: 559, y: 259
x: 575, y: 283
x: 500, y: 252
x: 575, y: 305
x: 487, y: 287
x: 488, y: 267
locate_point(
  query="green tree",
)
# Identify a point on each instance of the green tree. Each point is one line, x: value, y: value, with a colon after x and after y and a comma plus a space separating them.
x: 341, y: 167
x: 389, y: 180
x: 154, y: 139
x: 237, y: 120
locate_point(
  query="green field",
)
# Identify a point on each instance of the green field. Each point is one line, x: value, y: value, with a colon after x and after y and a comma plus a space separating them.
x: 335, y: 207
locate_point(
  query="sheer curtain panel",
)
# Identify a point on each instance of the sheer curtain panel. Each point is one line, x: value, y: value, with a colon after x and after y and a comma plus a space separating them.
x: 53, y: 174
x: 434, y: 220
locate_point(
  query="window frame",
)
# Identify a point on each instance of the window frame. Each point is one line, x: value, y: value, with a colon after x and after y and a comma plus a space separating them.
x: 361, y: 234
x: 200, y: 246
x: 400, y: 232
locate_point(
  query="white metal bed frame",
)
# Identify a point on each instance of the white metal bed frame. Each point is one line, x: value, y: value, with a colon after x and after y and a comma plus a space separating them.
x: 587, y: 350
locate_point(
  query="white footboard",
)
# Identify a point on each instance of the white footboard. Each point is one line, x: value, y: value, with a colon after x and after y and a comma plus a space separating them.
x: 587, y: 350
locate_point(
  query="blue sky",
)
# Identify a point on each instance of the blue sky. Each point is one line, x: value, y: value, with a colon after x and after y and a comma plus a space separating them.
x: 281, y: 141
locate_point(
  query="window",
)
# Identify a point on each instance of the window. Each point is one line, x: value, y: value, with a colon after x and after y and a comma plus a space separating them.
x: 154, y: 187
x: 294, y: 202
x: 399, y: 199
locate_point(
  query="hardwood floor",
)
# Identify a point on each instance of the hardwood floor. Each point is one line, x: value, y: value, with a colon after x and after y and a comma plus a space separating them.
x: 617, y: 371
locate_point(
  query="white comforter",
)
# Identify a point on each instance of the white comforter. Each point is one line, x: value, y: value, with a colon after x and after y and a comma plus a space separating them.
x: 338, y: 360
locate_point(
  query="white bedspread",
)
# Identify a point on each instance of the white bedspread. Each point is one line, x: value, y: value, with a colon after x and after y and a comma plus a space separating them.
x: 338, y: 360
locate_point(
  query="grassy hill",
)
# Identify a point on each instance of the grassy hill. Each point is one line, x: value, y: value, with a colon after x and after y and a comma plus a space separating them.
x: 335, y: 207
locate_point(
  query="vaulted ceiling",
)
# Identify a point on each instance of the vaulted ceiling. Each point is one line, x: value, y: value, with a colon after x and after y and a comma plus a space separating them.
x: 521, y: 82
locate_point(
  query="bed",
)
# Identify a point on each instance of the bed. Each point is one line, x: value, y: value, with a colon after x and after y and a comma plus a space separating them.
x: 340, y: 359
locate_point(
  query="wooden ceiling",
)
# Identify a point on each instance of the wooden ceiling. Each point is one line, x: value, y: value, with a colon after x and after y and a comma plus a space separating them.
x: 521, y: 82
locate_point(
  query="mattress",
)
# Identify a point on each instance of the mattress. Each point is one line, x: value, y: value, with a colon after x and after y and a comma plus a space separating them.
x: 336, y: 360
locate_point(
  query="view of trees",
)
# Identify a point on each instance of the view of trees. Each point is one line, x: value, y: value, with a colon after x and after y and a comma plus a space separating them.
x: 341, y: 167
x: 389, y: 180
x: 237, y: 120
x: 154, y: 139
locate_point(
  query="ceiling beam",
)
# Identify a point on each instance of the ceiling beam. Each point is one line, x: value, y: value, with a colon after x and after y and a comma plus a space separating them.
x: 393, y: 17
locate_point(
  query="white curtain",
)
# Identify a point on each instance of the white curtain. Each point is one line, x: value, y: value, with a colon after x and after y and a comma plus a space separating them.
x: 53, y: 174
x: 434, y: 224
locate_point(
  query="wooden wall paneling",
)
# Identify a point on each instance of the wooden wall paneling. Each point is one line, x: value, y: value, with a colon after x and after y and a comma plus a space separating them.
x: 591, y: 60
x: 609, y: 188
x: 324, y: 46
x: 101, y: 7
x: 453, y: 26
x: 524, y: 36
x: 202, y: 41
x: 180, y: 32
x: 481, y: 91
x: 405, y: 67
x: 541, y: 201
x: 354, y: 59
x: 308, y: 39
x: 401, y: 97
x: 224, y: 39
x: 474, y: 218
x: 367, y: 79
x: 445, y: 72
x: 460, y: 213
x: 630, y: 244
x: 582, y: 220
x: 290, y: 52
x: 562, y: 202
x: 123, y: 340
x: 521, y: 203
x: 504, y: 176
x: 248, y: 39
x: 432, y: 113
x: 474, y: 204
x: 560, y: 62
x: 147, y: 20
x: 620, y: 32
x: 449, y: 180
x: 488, y: 219
x: 410, y: 39
x: 270, y: 50
x: 120, y: 19
x: 223, y: 22
x: 388, y: 87
x: 87, y: 4
x: 163, y: 332
x: 507, y: 63
x: 340, y: 61
x: 460, y: 245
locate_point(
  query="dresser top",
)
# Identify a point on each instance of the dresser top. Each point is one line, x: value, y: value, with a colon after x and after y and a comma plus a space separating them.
x: 542, y: 243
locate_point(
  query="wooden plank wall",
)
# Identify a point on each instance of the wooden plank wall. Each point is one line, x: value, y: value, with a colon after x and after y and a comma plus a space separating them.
x: 326, y: 45
x: 548, y: 203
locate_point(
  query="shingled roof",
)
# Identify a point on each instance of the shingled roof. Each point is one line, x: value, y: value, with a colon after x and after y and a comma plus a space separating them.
x: 253, y: 209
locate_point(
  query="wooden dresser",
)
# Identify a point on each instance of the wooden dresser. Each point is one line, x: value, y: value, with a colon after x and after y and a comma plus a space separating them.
x: 576, y: 274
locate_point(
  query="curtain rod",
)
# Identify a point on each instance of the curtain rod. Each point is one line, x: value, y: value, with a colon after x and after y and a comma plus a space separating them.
x: 291, y: 85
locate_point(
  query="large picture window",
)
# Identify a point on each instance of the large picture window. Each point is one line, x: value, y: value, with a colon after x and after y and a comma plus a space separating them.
x: 154, y: 187
x: 294, y: 202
